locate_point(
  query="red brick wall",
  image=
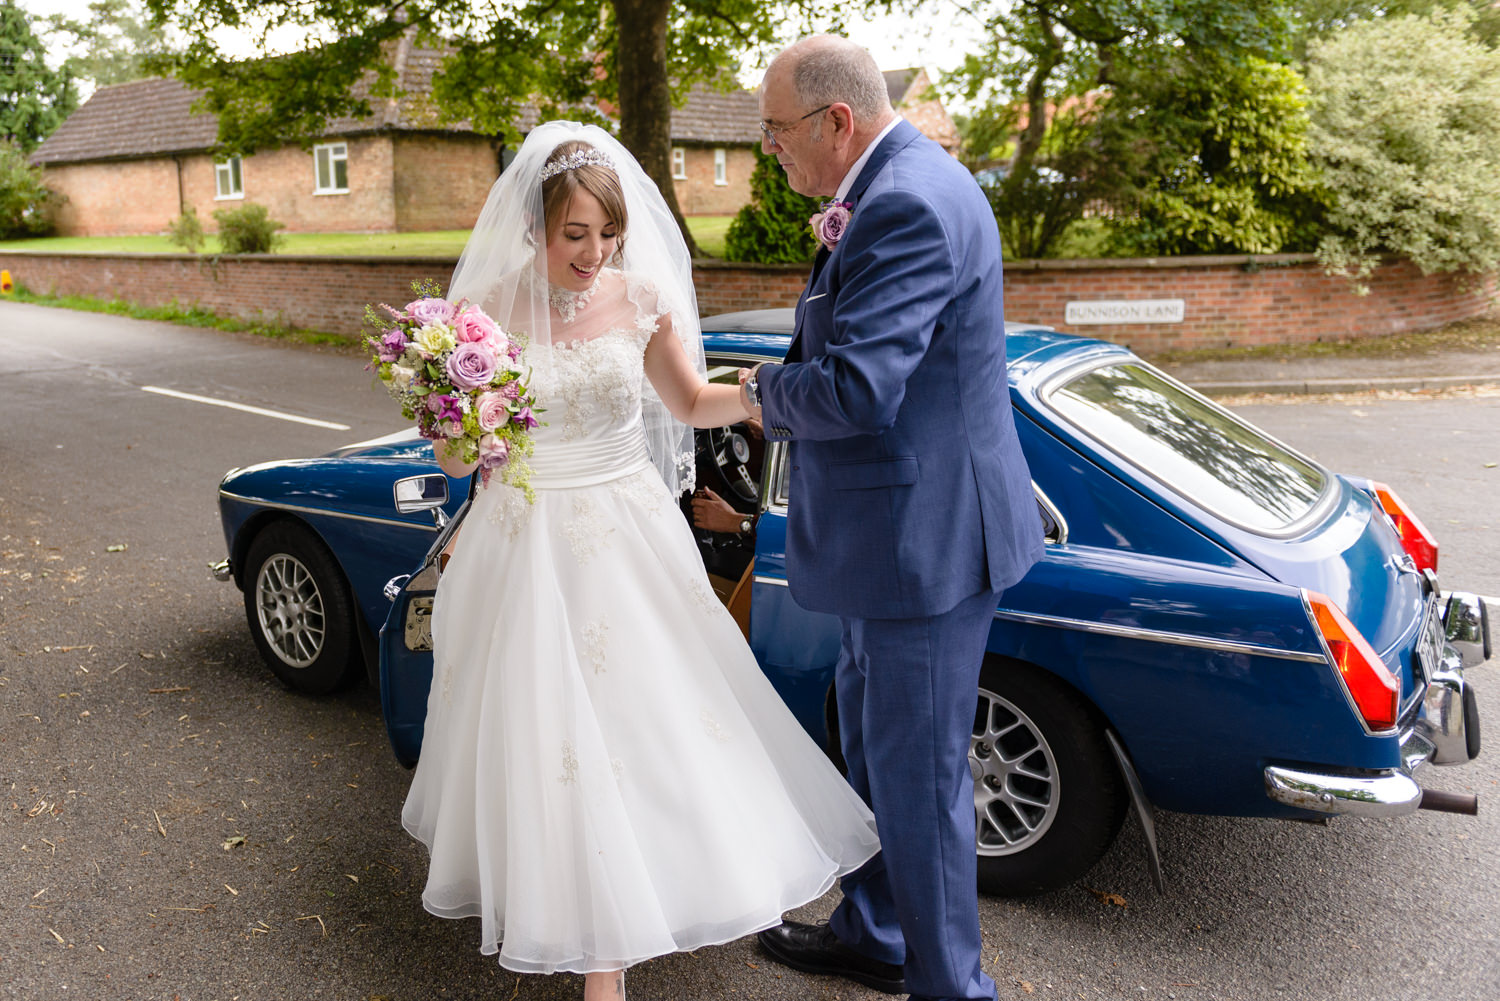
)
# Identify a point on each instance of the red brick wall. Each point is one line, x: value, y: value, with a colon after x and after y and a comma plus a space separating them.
x: 113, y: 199
x: 1241, y: 301
x: 441, y: 183
x: 1238, y: 301
x: 699, y: 195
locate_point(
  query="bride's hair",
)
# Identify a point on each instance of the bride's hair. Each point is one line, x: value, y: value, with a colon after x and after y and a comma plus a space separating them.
x: 598, y: 180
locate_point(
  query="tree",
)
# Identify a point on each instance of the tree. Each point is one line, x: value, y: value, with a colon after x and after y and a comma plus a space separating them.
x: 1045, y: 58
x: 1312, y: 20
x: 568, y: 58
x: 119, y: 42
x: 773, y: 227
x: 1223, y: 164
x: 25, y: 202
x: 1404, y: 115
x: 33, y: 99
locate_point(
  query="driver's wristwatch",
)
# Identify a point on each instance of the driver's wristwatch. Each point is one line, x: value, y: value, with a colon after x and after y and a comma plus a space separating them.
x: 746, y: 523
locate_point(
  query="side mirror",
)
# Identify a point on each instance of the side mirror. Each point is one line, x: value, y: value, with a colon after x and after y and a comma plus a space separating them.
x: 422, y: 493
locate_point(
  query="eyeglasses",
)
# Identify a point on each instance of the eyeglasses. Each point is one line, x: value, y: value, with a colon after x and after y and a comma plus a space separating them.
x: 771, y: 133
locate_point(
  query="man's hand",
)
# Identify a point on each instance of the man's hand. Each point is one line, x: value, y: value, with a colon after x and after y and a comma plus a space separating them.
x: 713, y: 512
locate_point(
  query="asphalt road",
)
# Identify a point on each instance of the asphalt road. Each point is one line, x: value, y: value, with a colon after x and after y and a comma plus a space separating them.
x: 175, y: 825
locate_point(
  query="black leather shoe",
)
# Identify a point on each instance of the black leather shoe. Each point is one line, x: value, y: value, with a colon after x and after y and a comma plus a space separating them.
x: 816, y: 949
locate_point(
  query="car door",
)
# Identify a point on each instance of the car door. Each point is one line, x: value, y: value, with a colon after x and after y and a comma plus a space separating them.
x: 406, y: 646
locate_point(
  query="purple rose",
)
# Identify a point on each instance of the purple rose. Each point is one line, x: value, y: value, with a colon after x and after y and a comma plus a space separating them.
x: 425, y: 311
x: 494, y: 451
x: 829, y: 225
x: 471, y: 365
x: 392, y: 345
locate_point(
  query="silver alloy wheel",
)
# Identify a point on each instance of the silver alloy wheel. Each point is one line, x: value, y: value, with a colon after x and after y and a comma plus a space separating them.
x: 1016, y: 791
x: 290, y: 609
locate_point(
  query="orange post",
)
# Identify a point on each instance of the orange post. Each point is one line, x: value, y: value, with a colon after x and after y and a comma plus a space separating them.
x: 6, y: 285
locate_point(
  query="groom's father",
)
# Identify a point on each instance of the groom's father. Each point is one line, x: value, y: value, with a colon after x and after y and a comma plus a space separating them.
x: 911, y: 502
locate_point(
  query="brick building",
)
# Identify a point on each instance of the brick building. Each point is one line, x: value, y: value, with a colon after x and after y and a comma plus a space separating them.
x: 136, y: 155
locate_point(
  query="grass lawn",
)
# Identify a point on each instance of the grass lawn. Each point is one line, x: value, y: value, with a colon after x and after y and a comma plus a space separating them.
x: 707, y: 230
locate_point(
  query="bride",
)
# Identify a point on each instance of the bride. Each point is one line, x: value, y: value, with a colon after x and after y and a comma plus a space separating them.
x: 606, y: 775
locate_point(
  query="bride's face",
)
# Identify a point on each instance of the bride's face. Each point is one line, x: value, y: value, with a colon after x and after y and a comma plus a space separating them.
x: 580, y: 246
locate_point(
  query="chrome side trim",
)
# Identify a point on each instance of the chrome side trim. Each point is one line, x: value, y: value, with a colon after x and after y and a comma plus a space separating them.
x: 1054, y: 513
x: 758, y: 579
x: 1159, y: 636
x: 1382, y: 794
x: 327, y: 513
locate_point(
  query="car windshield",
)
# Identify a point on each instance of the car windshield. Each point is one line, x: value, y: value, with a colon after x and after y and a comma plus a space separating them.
x: 1196, y: 447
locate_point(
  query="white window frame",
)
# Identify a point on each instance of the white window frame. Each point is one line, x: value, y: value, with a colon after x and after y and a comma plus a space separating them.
x: 721, y: 166
x: 679, y: 163
x: 336, y: 153
x: 226, y: 173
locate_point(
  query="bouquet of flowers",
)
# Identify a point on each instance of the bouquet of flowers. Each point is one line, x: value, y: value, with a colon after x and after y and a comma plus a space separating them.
x: 458, y: 375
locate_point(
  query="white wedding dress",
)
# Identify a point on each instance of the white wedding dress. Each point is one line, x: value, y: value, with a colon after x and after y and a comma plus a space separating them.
x: 606, y: 774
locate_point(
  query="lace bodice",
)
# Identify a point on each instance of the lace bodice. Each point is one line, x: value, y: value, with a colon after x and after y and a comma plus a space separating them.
x: 590, y: 387
x: 589, y: 383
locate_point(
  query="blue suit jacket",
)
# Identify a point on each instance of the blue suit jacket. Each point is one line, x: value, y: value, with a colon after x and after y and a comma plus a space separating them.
x: 909, y: 491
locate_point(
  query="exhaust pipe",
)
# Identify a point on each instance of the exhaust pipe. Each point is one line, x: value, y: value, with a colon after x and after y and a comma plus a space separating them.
x: 1449, y: 802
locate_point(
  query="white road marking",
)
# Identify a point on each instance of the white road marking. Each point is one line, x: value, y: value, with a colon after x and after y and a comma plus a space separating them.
x: 246, y: 408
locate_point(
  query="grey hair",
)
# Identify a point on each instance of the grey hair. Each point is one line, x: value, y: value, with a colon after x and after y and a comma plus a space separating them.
x: 829, y: 74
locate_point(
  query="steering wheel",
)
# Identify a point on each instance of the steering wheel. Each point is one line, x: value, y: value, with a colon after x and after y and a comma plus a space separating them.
x: 728, y: 450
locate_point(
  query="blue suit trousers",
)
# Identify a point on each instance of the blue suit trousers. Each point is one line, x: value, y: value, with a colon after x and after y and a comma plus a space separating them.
x: 906, y: 697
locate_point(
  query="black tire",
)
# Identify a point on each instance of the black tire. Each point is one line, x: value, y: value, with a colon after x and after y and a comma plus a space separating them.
x: 1048, y: 795
x: 298, y: 606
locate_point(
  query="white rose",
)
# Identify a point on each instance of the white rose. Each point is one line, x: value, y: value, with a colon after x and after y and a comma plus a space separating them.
x: 435, y: 338
x: 402, y: 376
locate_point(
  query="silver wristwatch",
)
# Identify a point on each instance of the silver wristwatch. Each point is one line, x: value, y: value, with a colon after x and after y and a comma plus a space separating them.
x: 752, y: 386
x: 746, y: 524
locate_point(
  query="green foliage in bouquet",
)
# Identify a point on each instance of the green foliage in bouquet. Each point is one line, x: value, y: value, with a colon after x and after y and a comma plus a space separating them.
x: 772, y: 228
x: 247, y: 230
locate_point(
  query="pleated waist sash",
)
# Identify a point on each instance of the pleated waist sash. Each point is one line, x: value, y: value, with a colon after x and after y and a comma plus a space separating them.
x: 556, y: 465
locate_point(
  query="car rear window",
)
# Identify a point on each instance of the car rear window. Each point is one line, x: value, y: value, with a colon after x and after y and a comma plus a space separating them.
x: 1194, y: 446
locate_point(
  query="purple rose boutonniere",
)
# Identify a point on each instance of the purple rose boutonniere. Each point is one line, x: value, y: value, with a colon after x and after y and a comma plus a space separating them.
x: 828, y: 225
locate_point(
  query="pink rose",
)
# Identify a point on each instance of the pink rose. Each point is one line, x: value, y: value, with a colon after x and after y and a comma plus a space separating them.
x: 492, y: 411
x: 471, y: 365
x: 473, y: 325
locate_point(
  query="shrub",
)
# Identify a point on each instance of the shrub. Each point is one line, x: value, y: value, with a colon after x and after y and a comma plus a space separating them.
x: 186, y: 231
x: 773, y: 228
x: 1404, y: 114
x: 26, y: 204
x: 1227, y: 169
x: 247, y: 230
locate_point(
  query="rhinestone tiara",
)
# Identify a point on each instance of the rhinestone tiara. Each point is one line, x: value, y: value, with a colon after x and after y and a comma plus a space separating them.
x: 579, y: 158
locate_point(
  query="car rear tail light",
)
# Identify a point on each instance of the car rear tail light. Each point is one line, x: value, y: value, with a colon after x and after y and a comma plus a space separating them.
x: 1415, y: 539
x: 1375, y: 691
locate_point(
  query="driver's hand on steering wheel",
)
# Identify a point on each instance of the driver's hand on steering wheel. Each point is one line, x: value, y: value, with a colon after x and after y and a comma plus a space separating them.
x: 712, y: 512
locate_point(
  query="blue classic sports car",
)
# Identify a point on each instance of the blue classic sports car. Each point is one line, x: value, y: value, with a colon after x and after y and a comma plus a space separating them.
x: 1220, y: 625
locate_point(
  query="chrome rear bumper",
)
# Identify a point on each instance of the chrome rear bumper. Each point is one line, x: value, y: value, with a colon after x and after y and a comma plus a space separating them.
x: 1445, y: 731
